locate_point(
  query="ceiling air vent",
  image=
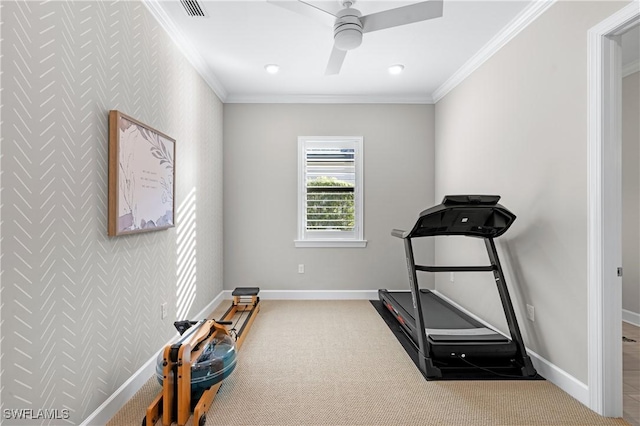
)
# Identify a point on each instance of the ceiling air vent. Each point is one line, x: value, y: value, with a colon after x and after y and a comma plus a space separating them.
x: 193, y: 8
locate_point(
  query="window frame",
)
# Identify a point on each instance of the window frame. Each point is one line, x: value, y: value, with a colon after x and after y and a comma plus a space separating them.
x: 355, y: 238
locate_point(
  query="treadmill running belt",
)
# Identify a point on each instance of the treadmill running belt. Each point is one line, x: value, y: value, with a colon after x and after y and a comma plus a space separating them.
x: 444, y: 322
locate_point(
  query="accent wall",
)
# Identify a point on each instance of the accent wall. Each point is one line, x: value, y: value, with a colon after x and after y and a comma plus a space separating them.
x: 81, y: 312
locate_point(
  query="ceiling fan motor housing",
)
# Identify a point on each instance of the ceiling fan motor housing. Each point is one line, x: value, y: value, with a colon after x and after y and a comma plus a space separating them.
x: 347, y: 31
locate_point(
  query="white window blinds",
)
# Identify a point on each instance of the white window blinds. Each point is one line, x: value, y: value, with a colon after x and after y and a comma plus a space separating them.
x: 330, y: 191
x: 330, y: 186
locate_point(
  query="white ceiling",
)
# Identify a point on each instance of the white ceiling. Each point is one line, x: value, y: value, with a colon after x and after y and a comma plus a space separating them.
x: 238, y: 38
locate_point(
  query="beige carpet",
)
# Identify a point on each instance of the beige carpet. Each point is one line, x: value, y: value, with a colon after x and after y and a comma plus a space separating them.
x: 337, y: 363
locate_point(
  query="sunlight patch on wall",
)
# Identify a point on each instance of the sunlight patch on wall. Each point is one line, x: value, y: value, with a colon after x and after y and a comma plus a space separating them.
x: 186, y: 230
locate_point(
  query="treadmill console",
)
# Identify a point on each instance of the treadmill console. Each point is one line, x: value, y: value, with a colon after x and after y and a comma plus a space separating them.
x: 468, y: 215
x: 485, y: 200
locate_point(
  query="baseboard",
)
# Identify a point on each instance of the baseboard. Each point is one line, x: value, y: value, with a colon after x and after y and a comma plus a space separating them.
x: 317, y: 294
x: 124, y: 393
x: 546, y: 369
x: 314, y: 294
x: 560, y: 378
x: 631, y: 317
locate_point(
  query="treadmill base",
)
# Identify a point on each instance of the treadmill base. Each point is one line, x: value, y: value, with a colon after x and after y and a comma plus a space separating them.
x: 449, y: 372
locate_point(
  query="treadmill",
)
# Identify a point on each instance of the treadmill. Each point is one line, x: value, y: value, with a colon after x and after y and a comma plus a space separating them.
x: 450, y: 343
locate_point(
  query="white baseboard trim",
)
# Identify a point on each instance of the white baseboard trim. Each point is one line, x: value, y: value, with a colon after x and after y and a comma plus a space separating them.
x: 546, y: 369
x: 314, y: 294
x: 631, y: 317
x: 317, y: 294
x: 560, y: 378
x: 119, y: 398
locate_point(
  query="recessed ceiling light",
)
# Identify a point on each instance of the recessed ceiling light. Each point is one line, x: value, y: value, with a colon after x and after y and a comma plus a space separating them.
x: 396, y: 69
x: 272, y: 68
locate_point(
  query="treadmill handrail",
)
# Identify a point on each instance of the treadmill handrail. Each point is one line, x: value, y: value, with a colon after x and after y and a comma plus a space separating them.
x: 488, y: 268
x: 399, y: 233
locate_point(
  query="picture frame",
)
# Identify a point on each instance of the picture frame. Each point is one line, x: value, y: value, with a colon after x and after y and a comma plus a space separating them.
x: 141, y: 177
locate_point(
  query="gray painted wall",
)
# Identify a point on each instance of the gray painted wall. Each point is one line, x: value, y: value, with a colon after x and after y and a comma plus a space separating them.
x: 260, y: 194
x: 81, y: 311
x: 631, y: 193
x: 517, y: 127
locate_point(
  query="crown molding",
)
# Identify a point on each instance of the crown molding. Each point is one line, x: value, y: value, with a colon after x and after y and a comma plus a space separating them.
x: 520, y: 22
x: 187, y: 50
x: 513, y: 28
x: 630, y: 68
x: 327, y: 99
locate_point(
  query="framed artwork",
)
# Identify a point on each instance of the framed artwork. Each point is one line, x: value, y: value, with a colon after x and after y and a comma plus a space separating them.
x: 141, y: 177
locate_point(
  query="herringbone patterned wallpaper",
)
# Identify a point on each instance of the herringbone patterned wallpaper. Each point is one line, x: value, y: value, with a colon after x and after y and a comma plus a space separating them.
x: 81, y: 311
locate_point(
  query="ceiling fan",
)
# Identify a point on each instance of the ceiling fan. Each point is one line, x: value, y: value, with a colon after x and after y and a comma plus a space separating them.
x: 349, y: 24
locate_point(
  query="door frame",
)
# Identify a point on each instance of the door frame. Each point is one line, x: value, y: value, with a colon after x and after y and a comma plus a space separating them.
x: 604, y: 215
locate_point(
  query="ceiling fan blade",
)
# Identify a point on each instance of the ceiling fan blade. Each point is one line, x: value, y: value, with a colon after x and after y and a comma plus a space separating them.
x: 330, y: 6
x: 335, y: 61
x: 307, y: 9
x: 402, y: 16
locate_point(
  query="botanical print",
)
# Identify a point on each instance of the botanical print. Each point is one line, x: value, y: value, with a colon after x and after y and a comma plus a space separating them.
x: 145, y: 184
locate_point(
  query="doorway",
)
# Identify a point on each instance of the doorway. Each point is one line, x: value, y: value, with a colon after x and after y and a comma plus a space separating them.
x: 630, y: 138
x: 605, y: 211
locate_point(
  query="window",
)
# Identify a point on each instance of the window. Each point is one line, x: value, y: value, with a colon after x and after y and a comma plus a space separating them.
x: 330, y: 192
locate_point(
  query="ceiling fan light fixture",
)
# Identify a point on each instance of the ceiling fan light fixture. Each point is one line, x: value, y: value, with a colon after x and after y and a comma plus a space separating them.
x: 272, y: 68
x: 348, y: 39
x: 347, y: 31
x: 396, y: 69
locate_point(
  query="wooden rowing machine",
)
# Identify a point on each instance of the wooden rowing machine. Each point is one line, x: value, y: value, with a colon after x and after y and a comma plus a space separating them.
x: 181, y: 391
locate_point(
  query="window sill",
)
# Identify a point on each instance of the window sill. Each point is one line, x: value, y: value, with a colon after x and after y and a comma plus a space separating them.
x: 331, y: 243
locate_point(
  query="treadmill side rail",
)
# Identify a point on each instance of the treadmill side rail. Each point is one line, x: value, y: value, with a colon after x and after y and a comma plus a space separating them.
x: 424, y: 347
x: 507, y: 306
x: 399, y: 233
